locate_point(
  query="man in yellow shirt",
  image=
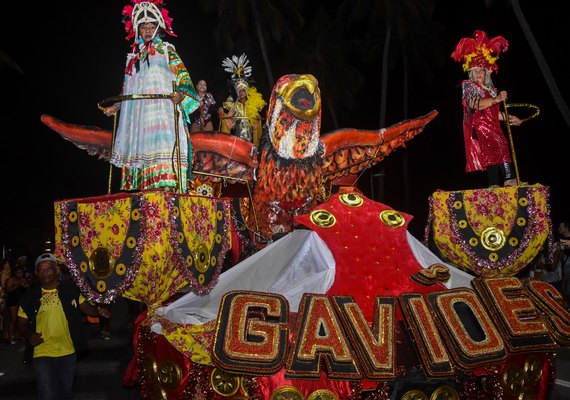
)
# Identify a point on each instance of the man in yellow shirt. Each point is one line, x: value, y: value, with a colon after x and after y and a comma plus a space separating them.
x: 50, y: 318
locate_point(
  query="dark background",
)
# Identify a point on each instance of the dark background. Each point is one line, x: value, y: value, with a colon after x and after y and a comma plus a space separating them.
x: 62, y: 58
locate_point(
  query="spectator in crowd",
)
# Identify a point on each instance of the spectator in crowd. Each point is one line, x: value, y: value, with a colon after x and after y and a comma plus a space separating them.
x: 50, y: 319
x: 16, y: 286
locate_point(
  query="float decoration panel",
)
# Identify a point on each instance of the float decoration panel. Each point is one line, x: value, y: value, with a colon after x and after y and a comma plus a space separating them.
x: 490, y: 232
x: 144, y: 246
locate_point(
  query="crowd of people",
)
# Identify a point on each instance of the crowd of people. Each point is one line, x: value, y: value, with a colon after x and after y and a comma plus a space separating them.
x: 553, y: 265
x: 15, y: 280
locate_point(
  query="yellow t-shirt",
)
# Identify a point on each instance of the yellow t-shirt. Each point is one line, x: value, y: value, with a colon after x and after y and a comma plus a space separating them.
x: 52, y: 324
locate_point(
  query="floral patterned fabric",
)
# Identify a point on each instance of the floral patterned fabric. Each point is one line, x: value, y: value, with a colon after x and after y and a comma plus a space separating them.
x: 143, y: 246
x: 490, y: 232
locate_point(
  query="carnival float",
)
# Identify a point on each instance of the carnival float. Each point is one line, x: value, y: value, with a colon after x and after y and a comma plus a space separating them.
x: 302, y: 287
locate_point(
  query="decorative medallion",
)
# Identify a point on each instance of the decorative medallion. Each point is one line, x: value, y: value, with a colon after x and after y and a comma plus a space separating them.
x: 131, y: 242
x: 224, y: 383
x: 351, y: 199
x: 202, y: 258
x: 169, y: 375
x: 444, y: 392
x: 205, y: 190
x: 415, y: 394
x: 322, y: 394
x: 493, y: 238
x: 322, y: 218
x: 101, y: 286
x: 120, y: 269
x: 287, y: 393
x: 392, y: 218
x: 101, y: 263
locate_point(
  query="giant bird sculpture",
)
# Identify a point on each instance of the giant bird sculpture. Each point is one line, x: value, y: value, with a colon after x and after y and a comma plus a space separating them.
x: 293, y: 163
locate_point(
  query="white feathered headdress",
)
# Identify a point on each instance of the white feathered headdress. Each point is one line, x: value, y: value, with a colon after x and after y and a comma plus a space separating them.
x: 239, y: 69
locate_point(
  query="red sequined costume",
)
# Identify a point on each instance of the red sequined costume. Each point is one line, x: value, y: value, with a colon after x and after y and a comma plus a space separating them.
x: 485, y: 142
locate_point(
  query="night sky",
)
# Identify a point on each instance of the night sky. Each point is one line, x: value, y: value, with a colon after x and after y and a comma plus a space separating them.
x: 62, y: 58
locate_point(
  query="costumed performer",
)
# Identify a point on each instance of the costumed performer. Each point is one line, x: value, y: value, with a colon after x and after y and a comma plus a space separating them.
x: 146, y: 135
x: 486, y: 146
x: 202, y: 119
x: 241, y: 117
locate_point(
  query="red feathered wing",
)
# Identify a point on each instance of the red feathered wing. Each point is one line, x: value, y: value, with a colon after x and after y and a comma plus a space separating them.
x: 215, y: 154
x: 350, y: 151
x: 96, y: 141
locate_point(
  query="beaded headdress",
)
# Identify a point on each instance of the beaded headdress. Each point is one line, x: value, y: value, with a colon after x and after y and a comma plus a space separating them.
x: 139, y: 12
x: 239, y: 69
x: 480, y: 51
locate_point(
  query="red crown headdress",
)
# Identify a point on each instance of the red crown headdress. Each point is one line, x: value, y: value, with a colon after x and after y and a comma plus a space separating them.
x: 140, y: 11
x: 480, y: 51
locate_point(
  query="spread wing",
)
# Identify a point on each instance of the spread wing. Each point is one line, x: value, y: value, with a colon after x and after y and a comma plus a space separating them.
x: 350, y: 151
x: 221, y: 157
x: 217, y: 156
x: 96, y: 141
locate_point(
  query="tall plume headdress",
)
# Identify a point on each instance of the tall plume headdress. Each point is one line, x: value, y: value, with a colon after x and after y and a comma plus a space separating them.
x: 480, y: 51
x: 139, y: 12
x: 239, y: 69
